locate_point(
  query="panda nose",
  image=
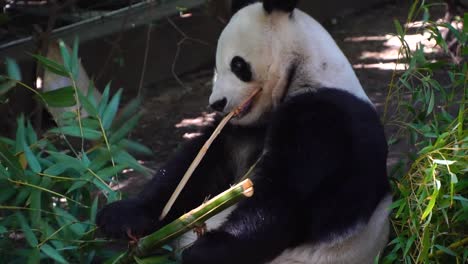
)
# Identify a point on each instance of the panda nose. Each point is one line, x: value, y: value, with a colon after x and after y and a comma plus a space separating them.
x: 219, y: 105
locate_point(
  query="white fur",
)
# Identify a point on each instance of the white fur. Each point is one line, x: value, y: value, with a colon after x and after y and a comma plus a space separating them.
x: 360, y: 246
x: 214, y: 222
x: 270, y: 43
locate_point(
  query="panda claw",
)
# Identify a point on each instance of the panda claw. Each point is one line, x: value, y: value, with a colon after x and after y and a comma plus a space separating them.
x: 133, y: 239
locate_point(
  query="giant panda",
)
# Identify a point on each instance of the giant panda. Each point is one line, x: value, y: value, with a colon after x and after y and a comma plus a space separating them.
x: 321, y: 188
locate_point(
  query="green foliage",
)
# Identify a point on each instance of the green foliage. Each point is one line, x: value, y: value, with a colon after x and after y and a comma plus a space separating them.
x: 7, y: 83
x: 430, y: 209
x: 52, y: 183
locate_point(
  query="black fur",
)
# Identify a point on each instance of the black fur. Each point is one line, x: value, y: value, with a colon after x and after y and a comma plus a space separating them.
x: 269, y: 5
x: 292, y: 68
x: 241, y: 69
x: 280, y: 5
x: 236, y: 5
x: 323, y: 170
x: 140, y: 214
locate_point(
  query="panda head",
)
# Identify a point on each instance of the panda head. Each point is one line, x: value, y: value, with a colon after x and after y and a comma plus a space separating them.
x: 271, y: 45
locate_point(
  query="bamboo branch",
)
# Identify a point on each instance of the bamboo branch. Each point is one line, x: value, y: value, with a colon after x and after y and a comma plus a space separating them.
x: 453, y: 246
x: 146, y: 245
x: 203, y: 151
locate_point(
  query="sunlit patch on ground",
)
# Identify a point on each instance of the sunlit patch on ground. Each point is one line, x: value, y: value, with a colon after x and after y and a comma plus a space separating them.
x: 191, y: 135
x: 203, y: 120
x: 388, y: 57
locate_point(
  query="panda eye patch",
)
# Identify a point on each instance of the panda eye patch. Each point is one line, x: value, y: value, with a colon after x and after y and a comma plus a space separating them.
x: 241, y: 69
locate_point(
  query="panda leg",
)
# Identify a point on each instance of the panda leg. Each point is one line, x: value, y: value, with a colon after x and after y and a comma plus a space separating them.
x: 257, y: 230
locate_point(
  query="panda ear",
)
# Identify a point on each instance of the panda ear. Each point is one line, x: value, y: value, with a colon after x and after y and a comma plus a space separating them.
x: 280, y: 5
x: 237, y: 5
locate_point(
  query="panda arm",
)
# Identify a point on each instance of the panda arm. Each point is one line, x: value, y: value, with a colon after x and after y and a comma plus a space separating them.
x: 140, y: 214
x: 306, y: 142
x: 211, y: 177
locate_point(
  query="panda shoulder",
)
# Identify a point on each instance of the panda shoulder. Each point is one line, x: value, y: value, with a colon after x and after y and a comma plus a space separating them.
x: 326, y: 104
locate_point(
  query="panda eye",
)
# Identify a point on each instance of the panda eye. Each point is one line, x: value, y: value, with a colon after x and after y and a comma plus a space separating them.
x: 241, y: 69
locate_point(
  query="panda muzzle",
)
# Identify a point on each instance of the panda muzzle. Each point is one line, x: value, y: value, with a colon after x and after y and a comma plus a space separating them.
x: 246, y: 105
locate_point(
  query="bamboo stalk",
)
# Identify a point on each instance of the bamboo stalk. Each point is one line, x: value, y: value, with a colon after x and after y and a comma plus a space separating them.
x: 453, y: 246
x: 202, y: 153
x: 186, y: 222
x: 194, y: 165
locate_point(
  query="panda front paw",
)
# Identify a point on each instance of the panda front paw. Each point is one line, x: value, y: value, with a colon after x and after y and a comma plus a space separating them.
x: 126, y: 219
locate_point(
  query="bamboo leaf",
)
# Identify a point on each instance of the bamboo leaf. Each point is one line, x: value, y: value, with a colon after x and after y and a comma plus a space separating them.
x: 85, y: 159
x: 409, y: 243
x: 102, y: 186
x: 135, y: 147
x: 75, y: 131
x: 432, y: 201
x: 430, y: 106
x: 425, y: 246
x: 74, y: 58
x: 21, y: 196
x: 3, y: 230
x: 125, y: 129
x: 106, y: 173
x: 13, y: 69
x: 53, y: 253
x: 155, y: 260
x: 65, y: 218
x: 76, y: 185
x: 32, y: 160
x: 444, y: 162
x: 87, y: 104
x: 4, y: 174
x: 124, y: 157
x: 76, y: 46
x: 63, y: 97
x: 52, y: 66
x: 5, y: 87
x: 100, y: 160
x: 28, y: 233
x: 398, y: 28
x: 104, y: 99
x: 128, y: 111
x: 90, y: 95
x: 67, y: 62
x: 7, y: 141
x: 30, y: 133
x: 69, y: 161
x: 35, y: 200
x: 446, y: 250
x: 20, y: 134
x: 57, y: 168
x: 111, y: 110
x: 34, y: 256
x: 6, y: 194
x: 93, y: 210
x: 465, y: 22
x: 10, y: 161
x: 91, y: 123
x: 90, y: 259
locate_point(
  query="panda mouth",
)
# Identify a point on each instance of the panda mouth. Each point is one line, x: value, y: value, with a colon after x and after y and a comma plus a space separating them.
x: 245, y: 107
x: 244, y: 110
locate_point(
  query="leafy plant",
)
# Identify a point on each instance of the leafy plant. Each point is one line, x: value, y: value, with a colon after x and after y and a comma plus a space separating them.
x: 53, y: 183
x: 431, y: 207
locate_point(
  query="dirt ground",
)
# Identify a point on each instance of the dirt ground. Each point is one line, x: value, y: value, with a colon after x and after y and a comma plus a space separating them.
x: 172, y: 111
